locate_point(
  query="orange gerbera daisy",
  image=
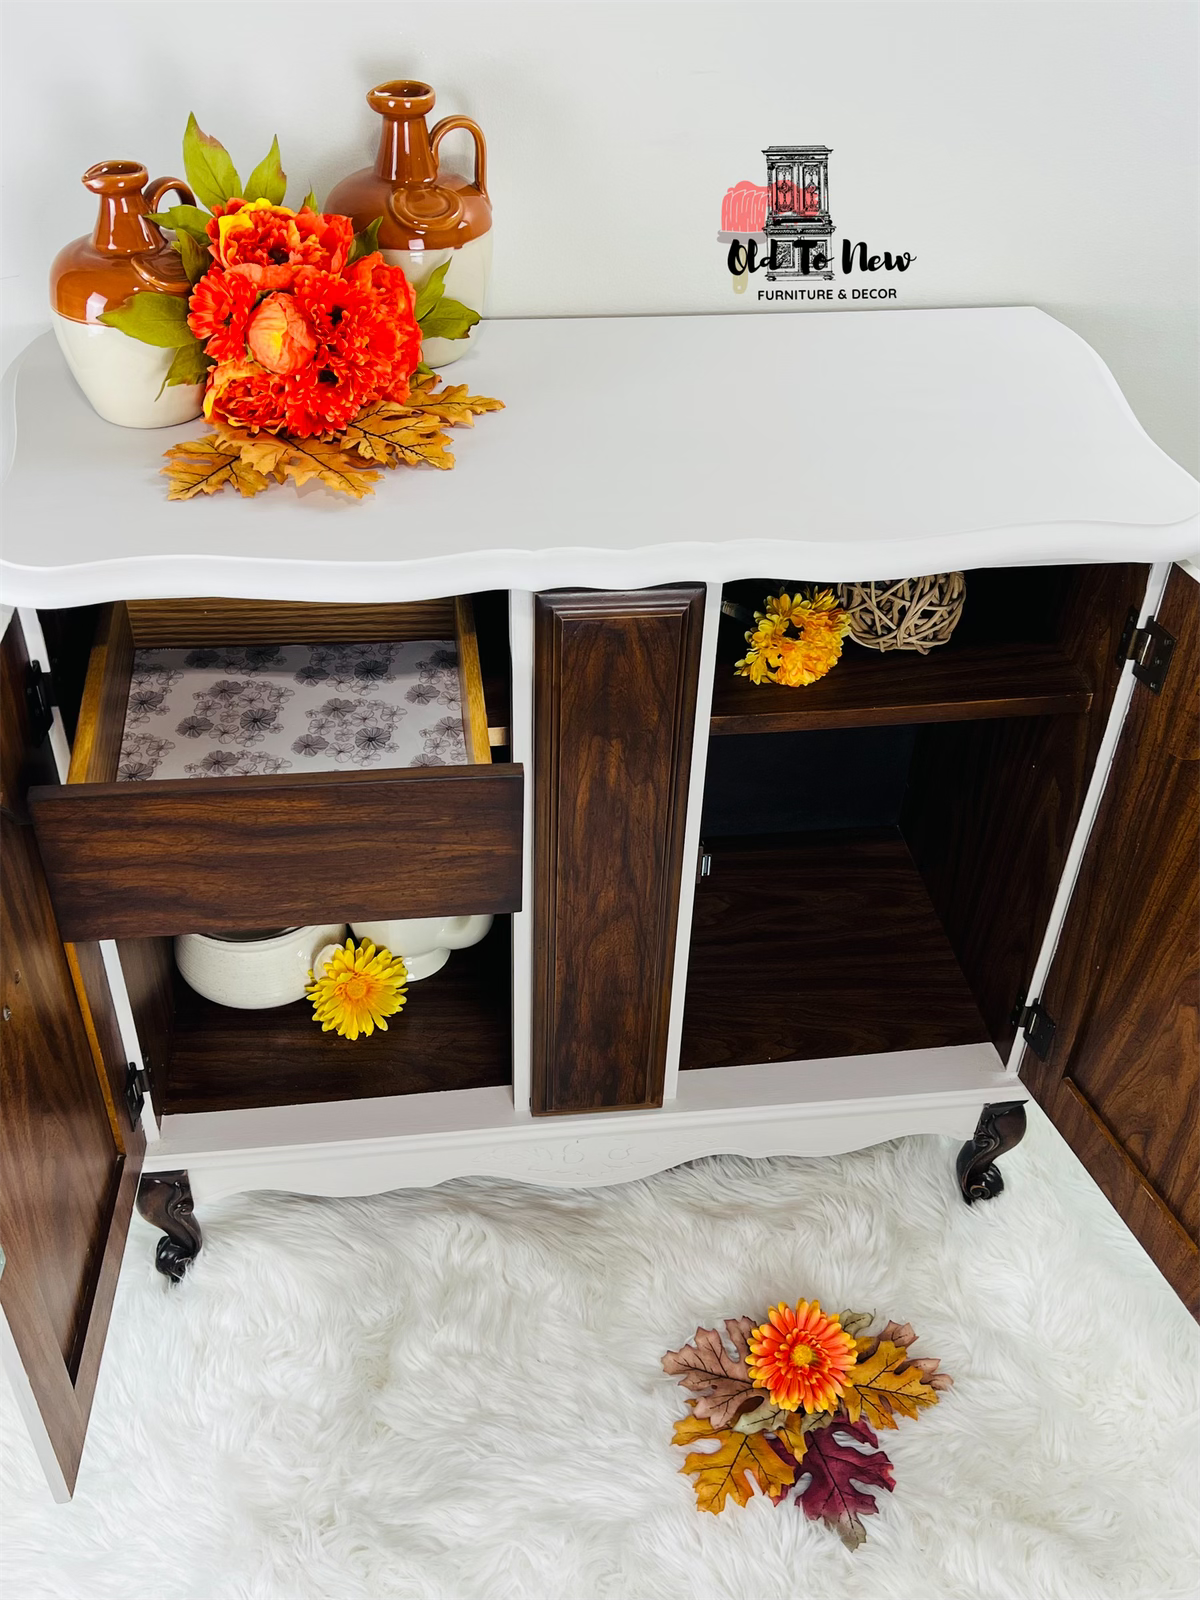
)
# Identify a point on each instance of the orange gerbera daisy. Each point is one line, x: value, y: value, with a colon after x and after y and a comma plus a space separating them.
x: 358, y: 990
x: 801, y: 1357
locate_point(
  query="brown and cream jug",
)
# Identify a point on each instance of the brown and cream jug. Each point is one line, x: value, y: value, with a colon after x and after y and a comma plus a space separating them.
x: 429, y: 217
x: 124, y: 255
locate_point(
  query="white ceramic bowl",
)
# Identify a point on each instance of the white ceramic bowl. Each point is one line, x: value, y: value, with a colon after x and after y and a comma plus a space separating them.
x: 252, y: 971
x: 423, y: 943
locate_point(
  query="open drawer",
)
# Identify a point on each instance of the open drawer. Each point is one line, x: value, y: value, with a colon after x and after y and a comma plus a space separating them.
x: 219, y: 853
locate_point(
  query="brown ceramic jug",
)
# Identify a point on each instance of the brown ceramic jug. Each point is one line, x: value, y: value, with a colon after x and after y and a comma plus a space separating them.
x: 124, y: 255
x: 429, y: 216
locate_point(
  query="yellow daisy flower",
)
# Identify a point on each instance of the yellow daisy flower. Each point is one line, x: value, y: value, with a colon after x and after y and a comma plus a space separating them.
x: 357, y: 990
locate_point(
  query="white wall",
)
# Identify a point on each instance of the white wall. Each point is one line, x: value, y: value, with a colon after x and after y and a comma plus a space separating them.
x: 1027, y: 153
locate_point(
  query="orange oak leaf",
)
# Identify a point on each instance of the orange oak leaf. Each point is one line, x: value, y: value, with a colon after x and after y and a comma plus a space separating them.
x: 887, y: 1382
x: 904, y: 1334
x: 726, y: 1472
x: 327, y: 461
x: 380, y: 430
x: 205, y: 466
x: 835, y: 1467
x: 453, y: 405
x: 721, y: 1380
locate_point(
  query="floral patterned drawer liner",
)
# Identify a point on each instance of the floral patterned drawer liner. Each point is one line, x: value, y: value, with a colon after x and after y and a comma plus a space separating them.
x: 217, y: 713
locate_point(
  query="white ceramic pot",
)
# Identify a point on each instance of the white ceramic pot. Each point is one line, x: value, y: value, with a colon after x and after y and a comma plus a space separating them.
x: 251, y: 972
x: 466, y: 280
x: 423, y: 943
x: 122, y: 377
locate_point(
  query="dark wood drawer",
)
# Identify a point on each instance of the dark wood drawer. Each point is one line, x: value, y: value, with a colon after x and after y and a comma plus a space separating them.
x: 207, y: 855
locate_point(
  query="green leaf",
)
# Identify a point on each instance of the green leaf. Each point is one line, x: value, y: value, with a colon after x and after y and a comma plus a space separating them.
x: 310, y: 200
x: 450, y: 320
x: 432, y: 290
x: 189, y: 366
x: 197, y: 258
x: 268, y: 181
x: 366, y: 241
x: 184, y: 219
x: 209, y: 170
x: 422, y: 370
x: 159, y: 319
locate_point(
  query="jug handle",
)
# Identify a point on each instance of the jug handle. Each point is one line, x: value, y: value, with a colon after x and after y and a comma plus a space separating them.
x: 145, y: 268
x: 438, y: 133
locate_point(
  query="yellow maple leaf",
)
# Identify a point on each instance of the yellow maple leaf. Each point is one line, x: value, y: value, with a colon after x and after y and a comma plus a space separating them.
x: 886, y: 1382
x: 205, y: 466
x: 726, y: 1472
x: 327, y: 461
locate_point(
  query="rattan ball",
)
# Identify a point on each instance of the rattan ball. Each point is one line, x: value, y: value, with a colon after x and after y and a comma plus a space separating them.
x: 904, y: 613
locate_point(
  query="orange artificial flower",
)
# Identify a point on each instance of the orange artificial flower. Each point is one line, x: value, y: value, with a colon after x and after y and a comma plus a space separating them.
x: 278, y: 336
x: 776, y: 656
x: 801, y: 1357
x: 357, y: 990
x: 244, y: 396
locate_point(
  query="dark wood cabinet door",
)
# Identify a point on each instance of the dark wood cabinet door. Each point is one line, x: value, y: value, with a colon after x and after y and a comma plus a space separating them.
x: 615, y: 702
x: 1121, y: 1078
x: 69, y: 1158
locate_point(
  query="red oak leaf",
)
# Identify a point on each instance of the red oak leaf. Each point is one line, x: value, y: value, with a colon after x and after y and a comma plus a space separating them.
x: 831, y: 1495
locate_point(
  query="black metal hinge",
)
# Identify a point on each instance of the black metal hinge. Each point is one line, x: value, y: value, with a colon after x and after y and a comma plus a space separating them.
x: 1037, y: 1025
x: 39, y: 701
x: 1149, y: 648
x: 137, y: 1086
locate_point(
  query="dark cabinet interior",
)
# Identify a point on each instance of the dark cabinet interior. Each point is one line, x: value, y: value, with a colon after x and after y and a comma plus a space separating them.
x: 884, y: 845
x: 325, y: 857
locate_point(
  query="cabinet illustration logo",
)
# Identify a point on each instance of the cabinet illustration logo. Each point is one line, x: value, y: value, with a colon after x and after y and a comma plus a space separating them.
x: 783, y: 229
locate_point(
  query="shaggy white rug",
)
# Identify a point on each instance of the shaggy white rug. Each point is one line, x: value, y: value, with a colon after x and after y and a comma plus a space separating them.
x: 456, y: 1394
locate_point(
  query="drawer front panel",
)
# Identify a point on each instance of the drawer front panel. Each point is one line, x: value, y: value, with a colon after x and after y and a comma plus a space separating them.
x: 212, y: 855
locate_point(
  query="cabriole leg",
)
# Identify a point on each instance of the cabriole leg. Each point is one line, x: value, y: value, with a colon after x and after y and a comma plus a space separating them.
x: 1000, y: 1127
x: 165, y: 1200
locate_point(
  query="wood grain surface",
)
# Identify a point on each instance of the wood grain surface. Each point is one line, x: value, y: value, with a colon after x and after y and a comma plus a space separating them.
x: 218, y: 854
x: 822, y: 944
x: 992, y: 806
x: 1122, y: 1080
x: 68, y: 1162
x: 454, y: 1032
x: 869, y: 689
x: 615, y: 697
x: 179, y: 623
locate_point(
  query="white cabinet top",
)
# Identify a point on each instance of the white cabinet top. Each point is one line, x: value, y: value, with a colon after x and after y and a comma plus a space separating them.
x: 634, y: 451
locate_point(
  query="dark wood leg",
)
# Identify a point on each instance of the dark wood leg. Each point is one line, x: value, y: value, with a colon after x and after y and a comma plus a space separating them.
x: 165, y: 1200
x: 1000, y: 1127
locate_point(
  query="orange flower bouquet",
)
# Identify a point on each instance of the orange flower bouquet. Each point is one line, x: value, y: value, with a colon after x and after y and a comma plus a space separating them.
x: 307, y: 341
x: 793, y: 1405
x: 796, y: 640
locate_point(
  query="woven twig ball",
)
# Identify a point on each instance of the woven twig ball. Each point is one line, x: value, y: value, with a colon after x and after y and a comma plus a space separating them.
x: 904, y: 613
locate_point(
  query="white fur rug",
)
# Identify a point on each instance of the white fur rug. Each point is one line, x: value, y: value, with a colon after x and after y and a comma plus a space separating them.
x: 456, y: 1394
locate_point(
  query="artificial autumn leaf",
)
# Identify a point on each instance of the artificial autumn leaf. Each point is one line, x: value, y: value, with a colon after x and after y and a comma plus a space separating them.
x: 856, y: 1322
x: 263, y: 451
x: 835, y: 1468
x: 310, y: 200
x: 450, y: 319
x: 268, y: 181
x: 327, y: 461
x: 725, y: 1472
x: 431, y: 291
x: 189, y: 364
x: 886, y: 1382
x: 366, y: 241
x: 380, y: 432
x: 795, y: 1427
x: 184, y: 219
x: 196, y: 257
x: 452, y: 404
x: 158, y: 319
x: 720, y: 1380
x: 203, y: 466
x: 207, y: 166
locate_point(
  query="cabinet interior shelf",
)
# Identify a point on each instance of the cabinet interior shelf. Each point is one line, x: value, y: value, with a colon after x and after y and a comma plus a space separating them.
x: 454, y: 1032
x: 870, y: 689
x: 823, y: 944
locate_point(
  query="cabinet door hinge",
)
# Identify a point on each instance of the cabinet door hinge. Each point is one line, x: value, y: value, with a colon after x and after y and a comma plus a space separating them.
x: 39, y: 701
x: 1149, y: 648
x: 137, y: 1085
x: 1036, y: 1023
x: 703, y: 863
